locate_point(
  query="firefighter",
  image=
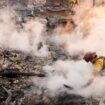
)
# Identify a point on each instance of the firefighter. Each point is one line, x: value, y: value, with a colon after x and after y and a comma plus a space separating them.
x: 98, y: 61
x: 99, y: 65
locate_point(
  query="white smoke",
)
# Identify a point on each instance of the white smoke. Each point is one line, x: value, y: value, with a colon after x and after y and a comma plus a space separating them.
x: 73, y: 73
x: 88, y: 35
x: 25, y: 39
x: 77, y: 75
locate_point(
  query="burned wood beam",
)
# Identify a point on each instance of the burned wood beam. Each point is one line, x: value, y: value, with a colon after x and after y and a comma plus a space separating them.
x: 13, y: 73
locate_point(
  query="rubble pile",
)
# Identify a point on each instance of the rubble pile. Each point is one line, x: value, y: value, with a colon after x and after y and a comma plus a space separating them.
x: 21, y: 90
x: 16, y: 87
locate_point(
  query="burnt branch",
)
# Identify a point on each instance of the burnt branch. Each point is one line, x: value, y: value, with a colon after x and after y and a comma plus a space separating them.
x: 13, y: 73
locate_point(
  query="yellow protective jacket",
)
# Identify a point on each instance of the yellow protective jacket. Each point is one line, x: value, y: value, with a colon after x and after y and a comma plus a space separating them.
x: 98, y: 66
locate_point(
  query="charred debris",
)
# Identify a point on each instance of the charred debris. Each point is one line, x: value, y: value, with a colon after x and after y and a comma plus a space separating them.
x: 54, y: 11
x: 16, y: 87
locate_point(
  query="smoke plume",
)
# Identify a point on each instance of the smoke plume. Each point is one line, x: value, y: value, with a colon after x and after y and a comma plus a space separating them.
x: 88, y: 34
x: 26, y: 38
x: 74, y: 76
